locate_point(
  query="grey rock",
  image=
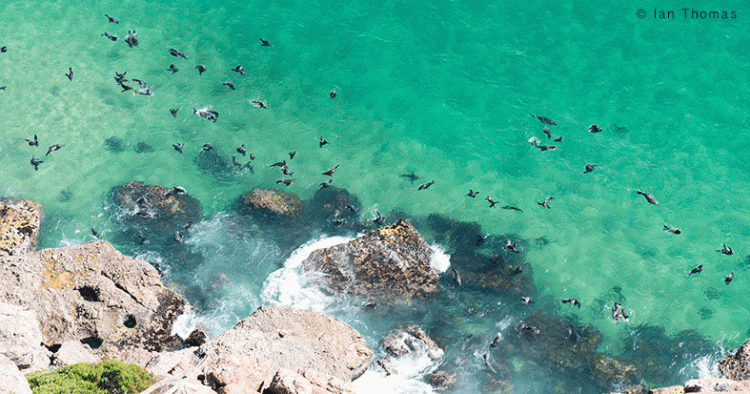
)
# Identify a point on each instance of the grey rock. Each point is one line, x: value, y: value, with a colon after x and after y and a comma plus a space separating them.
x: 315, y: 346
x: 716, y: 385
x: 19, y: 226
x: 12, y: 379
x: 72, y: 352
x: 91, y: 293
x: 21, y: 338
x: 393, y: 261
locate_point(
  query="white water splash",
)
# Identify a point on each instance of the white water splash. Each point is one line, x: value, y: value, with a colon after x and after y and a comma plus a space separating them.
x: 440, y: 260
x: 373, y: 382
x: 290, y: 286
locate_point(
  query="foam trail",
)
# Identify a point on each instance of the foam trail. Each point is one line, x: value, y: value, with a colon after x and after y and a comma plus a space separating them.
x: 372, y: 382
x: 440, y: 260
x: 290, y: 286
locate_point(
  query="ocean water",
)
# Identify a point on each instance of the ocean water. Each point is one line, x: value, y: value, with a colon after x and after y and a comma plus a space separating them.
x: 443, y: 89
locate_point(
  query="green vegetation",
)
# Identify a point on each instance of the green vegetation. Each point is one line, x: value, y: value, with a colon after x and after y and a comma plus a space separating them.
x: 107, y: 377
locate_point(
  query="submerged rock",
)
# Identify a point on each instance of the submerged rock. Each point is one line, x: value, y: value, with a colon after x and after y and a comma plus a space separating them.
x: 287, y: 346
x: 393, y: 261
x: 270, y: 204
x: 156, y: 206
x: 336, y: 211
x: 95, y: 295
x: 19, y: 226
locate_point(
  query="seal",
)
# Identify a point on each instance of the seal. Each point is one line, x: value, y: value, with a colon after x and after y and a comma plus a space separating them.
x: 201, y: 69
x: 70, y: 73
x: 239, y: 69
x: 673, y: 230
x: 491, y: 201
x: 111, y: 37
x: 111, y: 19
x: 292, y: 154
x: 259, y: 104
x: 322, y: 141
x: 426, y: 185
x: 572, y: 301
x: 242, y: 149
x: 34, y: 142
x: 231, y: 85
x: 589, y: 168
x: 512, y: 246
x: 545, y: 203
x: 696, y: 270
x: 54, y: 148
x: 177, y: 53
x: 595, y: 129
x: 36, y: 163
x: 178, y: 147
x: 331, y: 171
x: 173, y: 111
x: 729, y: 278
x: 286, y: 182
x: 724, y: 250
x: 545, y: 120
x: 548, y: 132
x: 265, y: 43
x: 472, y: 193
x: 173, y: 68
x: 132, y: 38
x: 526, y: 300
x: 649, y: 197
x: 457, y: 277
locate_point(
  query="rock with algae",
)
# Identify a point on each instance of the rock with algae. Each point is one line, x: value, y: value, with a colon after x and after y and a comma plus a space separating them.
x: 19, y: 226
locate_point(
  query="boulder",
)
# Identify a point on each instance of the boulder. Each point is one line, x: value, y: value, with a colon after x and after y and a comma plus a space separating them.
x: 72, y: 352
x: 21, y: 338
x: 19, y: 226
x: 270, y: 204
x: 93, y: 294
x: 714, y: 385
x: 154, y: 209
x: 736, y: 365
x: 12, y: 379
x: 393, y: 261
x: 327, y: 352
x: 336, y: 211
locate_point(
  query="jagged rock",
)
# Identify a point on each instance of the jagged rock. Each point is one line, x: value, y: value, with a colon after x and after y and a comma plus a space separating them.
x: 441, y: 379
x: 614, y: 372
x: 270, y: 204
x: 72, y: 352
x: 19, y: 226
x: 12, y: 379
x: 737, y: 365
x: 155, y: 209
x: 196, y: 338
x: 711, y: 385
x: 637, y: 389
x: 409, y: 339
x: 94, y: 294
x: 393, y: 261
x: 274, y: 338
x: 21, y: 338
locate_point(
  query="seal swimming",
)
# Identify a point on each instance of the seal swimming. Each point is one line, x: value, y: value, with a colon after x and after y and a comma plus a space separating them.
x: 649, y: 197
x: 426, y: 185
x: 177, y: 53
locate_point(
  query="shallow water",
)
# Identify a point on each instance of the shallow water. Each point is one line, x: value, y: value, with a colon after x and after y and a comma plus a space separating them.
x: 443, y: 89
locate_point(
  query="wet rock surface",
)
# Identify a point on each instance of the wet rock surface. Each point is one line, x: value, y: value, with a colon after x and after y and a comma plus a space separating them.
x: 275, y: 339
x: 393, y: 261
x: 93, y: 294
x: 155, y: 208
x: 336, y: 210
x: 270, y: 204
x: 19, y: 226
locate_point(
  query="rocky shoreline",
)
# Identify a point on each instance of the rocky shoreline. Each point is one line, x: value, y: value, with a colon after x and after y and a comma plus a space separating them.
x: 90, y: 303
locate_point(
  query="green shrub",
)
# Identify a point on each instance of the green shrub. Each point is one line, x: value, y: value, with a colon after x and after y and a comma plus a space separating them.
x: 107, y: 377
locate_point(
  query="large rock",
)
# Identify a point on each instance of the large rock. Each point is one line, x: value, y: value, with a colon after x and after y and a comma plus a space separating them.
x: 292, y: 343
x: 393, y: 261
x: 94, y: 294
x: 737, y: 365
x: 21, y: 338
x: 19, y: 226
x: 270, y: 204
x: 12, y: 379
x: 154, y: 210
x: 73, y: 352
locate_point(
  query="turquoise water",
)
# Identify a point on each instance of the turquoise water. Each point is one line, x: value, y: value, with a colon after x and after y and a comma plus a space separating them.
x: 445, y: 89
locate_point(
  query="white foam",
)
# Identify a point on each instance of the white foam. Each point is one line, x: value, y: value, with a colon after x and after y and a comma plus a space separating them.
x: 290, y: 286
x: 440, y: 260
x: 373, y: 382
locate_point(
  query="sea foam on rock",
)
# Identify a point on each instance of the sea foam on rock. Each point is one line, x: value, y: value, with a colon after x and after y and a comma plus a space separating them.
x: 393, y: 261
